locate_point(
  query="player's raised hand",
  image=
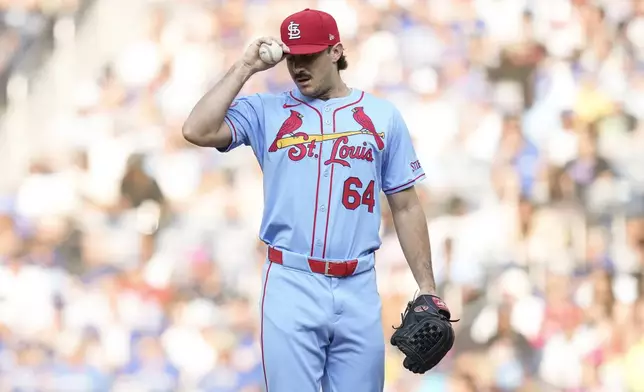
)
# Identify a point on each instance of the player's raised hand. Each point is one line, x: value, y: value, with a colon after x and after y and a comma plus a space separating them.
x: 252, y: 58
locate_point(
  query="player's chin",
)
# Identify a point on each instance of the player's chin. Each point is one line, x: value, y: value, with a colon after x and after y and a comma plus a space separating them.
x: 306, y: 87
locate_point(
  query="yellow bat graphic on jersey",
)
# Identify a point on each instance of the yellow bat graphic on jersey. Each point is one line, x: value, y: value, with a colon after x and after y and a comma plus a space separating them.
x: 292, y: 141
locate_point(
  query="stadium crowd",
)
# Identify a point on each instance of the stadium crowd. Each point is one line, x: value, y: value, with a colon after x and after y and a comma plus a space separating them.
x: 131, y: 262
x: 27, y: 34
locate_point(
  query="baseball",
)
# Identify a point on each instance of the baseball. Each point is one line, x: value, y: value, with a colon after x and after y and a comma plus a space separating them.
x: 270, y: 54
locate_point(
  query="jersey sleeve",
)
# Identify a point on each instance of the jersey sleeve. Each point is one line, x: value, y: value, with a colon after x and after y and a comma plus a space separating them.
x: 401, y: 167
x: 245, y: 120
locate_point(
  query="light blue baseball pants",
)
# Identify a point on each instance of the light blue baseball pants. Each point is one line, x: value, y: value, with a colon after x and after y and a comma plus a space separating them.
x: 321, y: 331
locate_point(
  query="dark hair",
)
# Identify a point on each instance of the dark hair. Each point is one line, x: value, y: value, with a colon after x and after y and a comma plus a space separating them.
x: 342, y: 63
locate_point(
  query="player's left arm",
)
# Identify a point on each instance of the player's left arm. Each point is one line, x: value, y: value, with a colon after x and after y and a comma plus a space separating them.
x: 401, y: 171
x: 411, y: 228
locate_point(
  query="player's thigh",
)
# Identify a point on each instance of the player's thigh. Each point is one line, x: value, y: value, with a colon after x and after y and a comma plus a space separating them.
x: 356, y: 356
x: 294, y: 328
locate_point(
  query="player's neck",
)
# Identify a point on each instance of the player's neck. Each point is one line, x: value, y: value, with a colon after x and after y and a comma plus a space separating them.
x: 338, y: 90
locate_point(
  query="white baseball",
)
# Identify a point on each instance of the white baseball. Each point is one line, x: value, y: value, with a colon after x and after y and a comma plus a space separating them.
x: 270, y: 54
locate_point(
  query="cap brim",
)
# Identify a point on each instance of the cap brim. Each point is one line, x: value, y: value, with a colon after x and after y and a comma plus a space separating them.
x: 307, y: 49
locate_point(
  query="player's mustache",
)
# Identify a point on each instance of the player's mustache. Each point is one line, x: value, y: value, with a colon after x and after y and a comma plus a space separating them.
x: 301, y: 75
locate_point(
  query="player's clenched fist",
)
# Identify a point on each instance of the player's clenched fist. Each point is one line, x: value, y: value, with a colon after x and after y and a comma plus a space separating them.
x: 252, y: 58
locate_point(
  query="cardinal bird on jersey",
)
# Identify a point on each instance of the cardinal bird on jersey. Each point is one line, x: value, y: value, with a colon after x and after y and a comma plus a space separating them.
x: 291, y: 124
x: 365, y: 122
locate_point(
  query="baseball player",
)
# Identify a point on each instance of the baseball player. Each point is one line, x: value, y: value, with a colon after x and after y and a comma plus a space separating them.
x: 326, y: 151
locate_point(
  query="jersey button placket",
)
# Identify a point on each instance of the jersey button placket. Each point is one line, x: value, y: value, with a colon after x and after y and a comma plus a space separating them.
x: 325, y: 185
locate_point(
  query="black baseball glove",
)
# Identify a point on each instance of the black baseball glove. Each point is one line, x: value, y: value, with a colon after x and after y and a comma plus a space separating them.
x: 425, y: 335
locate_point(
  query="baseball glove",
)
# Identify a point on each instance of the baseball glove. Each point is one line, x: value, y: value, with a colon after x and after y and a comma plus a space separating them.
x: 425, y: 335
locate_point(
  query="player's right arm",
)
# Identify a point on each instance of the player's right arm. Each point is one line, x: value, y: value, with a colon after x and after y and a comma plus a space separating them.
x: 205, y: 126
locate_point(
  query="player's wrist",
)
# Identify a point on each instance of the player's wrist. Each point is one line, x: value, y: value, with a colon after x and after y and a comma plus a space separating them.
x: 243, y: 71
x: 427, y: 290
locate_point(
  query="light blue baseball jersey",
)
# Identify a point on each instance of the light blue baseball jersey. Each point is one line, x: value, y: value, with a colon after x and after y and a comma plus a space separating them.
x: 324, y: 165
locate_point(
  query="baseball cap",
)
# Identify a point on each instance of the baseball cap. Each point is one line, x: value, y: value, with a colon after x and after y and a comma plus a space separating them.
x: 309, y: 31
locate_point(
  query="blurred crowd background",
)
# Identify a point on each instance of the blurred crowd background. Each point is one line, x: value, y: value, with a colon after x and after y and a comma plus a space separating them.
x: 27, y: 34
x: 129, y: 260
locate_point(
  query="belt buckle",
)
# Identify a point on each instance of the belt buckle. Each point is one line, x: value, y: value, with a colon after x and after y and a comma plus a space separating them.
x: 326, y: 268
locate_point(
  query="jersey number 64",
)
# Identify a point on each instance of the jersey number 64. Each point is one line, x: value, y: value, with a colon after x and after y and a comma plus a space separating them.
x: 351, y: 197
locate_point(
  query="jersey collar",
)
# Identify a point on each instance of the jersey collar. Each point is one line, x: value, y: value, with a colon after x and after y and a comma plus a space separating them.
x: 354, y: 93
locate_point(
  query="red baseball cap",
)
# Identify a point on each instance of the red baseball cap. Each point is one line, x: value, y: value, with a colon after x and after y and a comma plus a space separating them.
x: 309, y: 31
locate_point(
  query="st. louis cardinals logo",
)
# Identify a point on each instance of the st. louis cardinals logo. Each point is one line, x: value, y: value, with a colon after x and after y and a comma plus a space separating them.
x: 292, y: 124
x: 367, y: 125
x: 304, y: 145
x: 293, y: 30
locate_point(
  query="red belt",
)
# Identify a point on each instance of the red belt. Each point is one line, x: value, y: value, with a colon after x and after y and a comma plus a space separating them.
x: 325, y: 267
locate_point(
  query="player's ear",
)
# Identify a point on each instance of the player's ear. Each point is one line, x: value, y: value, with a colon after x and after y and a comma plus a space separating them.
x: 336, y: 52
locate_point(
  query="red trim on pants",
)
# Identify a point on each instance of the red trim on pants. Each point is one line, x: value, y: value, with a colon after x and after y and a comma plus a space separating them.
x: 261, y: 334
